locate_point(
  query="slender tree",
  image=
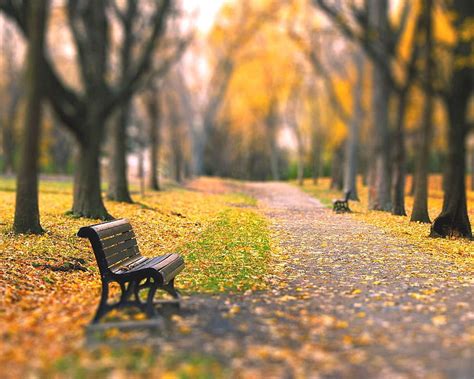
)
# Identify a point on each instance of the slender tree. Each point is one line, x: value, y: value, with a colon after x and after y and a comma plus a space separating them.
x: 118, y: 180
x: 27, y: 218
x: 420, y: 204
x: 153, y: 108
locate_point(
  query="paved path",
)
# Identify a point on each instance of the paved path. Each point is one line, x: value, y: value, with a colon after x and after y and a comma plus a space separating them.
x: 358, y: 303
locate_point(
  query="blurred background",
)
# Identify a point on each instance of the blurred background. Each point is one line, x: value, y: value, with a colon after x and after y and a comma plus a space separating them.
x: 258, y: 90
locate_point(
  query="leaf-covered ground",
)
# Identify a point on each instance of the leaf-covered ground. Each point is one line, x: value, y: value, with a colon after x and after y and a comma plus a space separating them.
x: 50, y: 286
x: 459, y: 250
x: 349, y: 296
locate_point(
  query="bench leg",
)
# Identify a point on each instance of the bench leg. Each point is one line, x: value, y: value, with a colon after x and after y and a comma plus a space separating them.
x: 172, y: 290
x: 103, y: 307
x: 150, y: 307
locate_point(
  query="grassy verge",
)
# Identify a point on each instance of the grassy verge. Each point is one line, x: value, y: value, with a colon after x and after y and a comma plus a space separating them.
x: 226, y: 245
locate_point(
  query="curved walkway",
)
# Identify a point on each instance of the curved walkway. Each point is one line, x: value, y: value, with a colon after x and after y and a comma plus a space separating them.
x: 356, y: 303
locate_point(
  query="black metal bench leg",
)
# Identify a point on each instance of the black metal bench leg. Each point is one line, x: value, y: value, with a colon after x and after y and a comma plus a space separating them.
x: 103, y: 308
x: 150, y: 307
x: 172, y: 290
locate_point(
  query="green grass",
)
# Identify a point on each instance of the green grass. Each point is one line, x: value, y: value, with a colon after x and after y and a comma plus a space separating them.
x: 233, y: 254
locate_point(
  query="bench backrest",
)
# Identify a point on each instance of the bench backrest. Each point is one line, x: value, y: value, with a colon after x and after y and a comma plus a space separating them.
x: 113, y: 242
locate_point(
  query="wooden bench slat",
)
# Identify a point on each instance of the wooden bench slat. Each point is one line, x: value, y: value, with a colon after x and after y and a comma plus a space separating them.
x: 132, y: 262
x: 112, y: 231
x: 122, y: 255
x: 106, y: 243
x: 117, y: 248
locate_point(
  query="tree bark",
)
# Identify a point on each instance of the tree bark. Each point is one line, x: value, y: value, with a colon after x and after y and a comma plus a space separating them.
x: 399, y: 169
x: 87, y: 200
x: 27, y: 218
x: 316, y: 156
x: 153, y: 109
x: 380, y: 191
x: 454, y: 219
x: 420, y: 204
x: 337, y: 168
x: 118, y: 180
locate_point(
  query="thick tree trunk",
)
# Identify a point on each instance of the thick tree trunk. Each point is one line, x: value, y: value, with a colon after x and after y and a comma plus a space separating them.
x: 420, y: 204
x: 87, y: 198
x: 379, y: 198
x: 118, y: 181
x: 153, y: 108
x: 399, y: 168
x: 352, y: 145
x: 454, y: 219
x: 27, y: 218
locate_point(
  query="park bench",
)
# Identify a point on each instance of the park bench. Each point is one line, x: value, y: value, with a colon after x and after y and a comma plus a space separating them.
x: 119, y: 260
x: 342, y: 205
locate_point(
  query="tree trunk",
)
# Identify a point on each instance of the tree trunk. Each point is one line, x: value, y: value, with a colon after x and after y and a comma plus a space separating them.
x: 472, y: 170
x: 118, y: 181
x: 337, y: 169
x: 380, y: 191
x: 300, y: 174
x: 352, y: 145
x: 271, y: 123
x: 399, y: 169
x: 420, y: 204
x: 454, y: 219
x: 141, y: 172
x: 153, y: 108
x: 27, y: 218
x: 316, y: 156
x: 87, y: 198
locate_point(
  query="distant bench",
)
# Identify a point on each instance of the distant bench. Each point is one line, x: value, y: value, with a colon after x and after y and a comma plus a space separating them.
x: 119, y: 260
x: 342, y: 205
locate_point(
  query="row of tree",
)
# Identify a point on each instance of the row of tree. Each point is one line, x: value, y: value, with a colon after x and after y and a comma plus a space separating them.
x: 121, y: 48
x: 368, y: 83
